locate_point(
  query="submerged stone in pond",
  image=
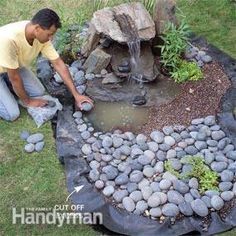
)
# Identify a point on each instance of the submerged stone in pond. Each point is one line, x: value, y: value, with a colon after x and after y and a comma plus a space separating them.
x: 139, y: 100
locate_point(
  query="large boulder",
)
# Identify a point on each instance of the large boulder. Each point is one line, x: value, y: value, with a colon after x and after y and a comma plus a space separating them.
x: 124, y: 21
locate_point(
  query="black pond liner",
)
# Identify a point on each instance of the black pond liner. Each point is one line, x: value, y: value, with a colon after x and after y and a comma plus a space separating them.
x: 119, y: 221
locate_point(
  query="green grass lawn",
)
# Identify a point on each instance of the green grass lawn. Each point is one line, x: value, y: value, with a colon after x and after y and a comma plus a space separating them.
x: 31, y: 180
x: 38, y: 180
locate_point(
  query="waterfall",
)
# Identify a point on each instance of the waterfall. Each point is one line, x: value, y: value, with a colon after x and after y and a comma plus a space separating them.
x: 134, y: 50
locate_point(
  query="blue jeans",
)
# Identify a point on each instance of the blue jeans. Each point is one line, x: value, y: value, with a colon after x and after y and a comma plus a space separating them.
x: 9, y: 109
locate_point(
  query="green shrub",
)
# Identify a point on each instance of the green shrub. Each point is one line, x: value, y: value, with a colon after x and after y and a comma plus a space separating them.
x: 187, y: 71
x: 175, y: 42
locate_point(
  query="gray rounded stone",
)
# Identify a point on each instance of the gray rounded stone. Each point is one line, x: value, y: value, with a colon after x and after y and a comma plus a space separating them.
x: 145, y: 160
x: 146, y: 192
x: 180, y: 186
x: 78, y: 115
x: 132, y: 187
x: 165, y: 184
x: 35, y: 138
x: 226, y: 176
x: 82, y: 127
x: 155, y: 212
x: 175, y: 197
x: 85, y: 135
x: 210, y: 120
x: 152, y: 146
x: 218, y: 166
x: 217, y: 135
x: 225, y: 186
x: 193, y: 183
x: 157, y: 136
x: 24, y: 135
x: 154, y: 201
x: 231, y: 155
x: 94, y: 175
x: 85, y: 106
x: 142, y: 206
x: 119, y: 195
x: 169, y: 140
x: 39, y: 146
x: 185, y: 208
x: 108, y: 190
x: 171, y: 154
x: 86, y: 149
x: 117, y: 142
x: 141, y: 138
x: 188, y: 197
x: 29, y: 147
x: 122, y: 179
x: 199, y: 207
x: 107, y: 142
x: 217, y: 202
x: 136, y: 195
x: 136, y: 176
x: 191, y: 150
x: 128, y: 204
x: 207, y: 201
x: 211, y: 193
x: 155, y: 187
x: 227, y: 195
x: 148, y: 172
x: 159, y: 167
x: 195, y: 193
x: 99, y: 184
x: 110, y: 171
x: 170, y: 210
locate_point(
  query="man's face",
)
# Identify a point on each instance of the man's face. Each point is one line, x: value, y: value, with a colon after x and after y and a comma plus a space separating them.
x: 44, y: 35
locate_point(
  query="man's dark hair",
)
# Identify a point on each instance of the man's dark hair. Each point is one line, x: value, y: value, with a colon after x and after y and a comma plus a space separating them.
x: 46, y: 18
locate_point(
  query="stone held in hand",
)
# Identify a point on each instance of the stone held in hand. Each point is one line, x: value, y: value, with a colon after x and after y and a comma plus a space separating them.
x: 86, y: 106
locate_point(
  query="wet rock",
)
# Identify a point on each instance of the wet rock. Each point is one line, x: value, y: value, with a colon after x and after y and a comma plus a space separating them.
x: 139, y: 100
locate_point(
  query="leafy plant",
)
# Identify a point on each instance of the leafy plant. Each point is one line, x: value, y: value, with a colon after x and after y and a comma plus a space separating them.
x: 208, y: 179
x: 175, y: 42
x: 186, y: 71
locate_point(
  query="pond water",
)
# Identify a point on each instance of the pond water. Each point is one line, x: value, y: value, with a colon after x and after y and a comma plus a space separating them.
x: 107, y: 116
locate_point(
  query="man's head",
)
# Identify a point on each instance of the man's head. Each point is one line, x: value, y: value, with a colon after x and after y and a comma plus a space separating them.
x: 46, y: 23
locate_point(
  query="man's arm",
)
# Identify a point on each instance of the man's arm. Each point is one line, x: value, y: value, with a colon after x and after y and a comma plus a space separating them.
x: 19, y: 89
x: 63, y: 71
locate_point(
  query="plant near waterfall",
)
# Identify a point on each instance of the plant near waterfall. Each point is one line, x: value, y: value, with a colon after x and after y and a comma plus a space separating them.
x: 175, y: 42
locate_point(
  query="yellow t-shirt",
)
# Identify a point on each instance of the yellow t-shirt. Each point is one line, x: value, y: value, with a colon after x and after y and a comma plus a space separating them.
x: 15, y: 51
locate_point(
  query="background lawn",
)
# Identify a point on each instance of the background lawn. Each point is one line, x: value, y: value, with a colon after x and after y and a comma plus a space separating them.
x: 38, y: 180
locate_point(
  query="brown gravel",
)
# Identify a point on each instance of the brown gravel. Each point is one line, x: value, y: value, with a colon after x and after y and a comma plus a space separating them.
x: 196, y: 99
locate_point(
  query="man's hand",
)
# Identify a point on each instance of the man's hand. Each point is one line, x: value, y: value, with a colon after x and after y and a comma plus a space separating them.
x: 81, y: 99
x: 35, y: 102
